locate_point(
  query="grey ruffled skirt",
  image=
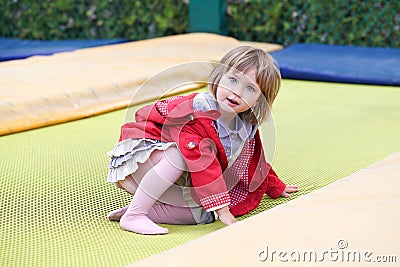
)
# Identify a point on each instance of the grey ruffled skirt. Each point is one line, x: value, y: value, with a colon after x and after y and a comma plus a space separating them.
x: 124, y: 161
x: 128, y: 153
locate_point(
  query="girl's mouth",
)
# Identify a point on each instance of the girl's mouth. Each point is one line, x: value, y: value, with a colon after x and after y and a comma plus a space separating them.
x: 232, y: 101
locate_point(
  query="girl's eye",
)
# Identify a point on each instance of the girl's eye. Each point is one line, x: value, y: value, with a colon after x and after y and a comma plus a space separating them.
x: 250, y: 89
x: 233, y: 80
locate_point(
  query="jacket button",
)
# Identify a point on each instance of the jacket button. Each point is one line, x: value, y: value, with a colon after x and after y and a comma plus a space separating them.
x: 191, y: 145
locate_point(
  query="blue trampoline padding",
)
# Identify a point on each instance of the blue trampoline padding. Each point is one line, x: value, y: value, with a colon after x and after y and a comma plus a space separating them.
x: 333, y: 63
x: 11, y: 49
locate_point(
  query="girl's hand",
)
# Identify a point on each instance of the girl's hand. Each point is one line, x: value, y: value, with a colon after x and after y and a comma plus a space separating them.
x: 226, y: 216
x: 289, y: 189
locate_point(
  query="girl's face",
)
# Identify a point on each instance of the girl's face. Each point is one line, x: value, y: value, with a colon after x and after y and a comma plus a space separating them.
x: 237, y: 91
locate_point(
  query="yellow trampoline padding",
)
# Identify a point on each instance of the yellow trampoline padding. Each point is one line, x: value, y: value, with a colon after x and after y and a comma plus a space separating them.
x: 45, y: 90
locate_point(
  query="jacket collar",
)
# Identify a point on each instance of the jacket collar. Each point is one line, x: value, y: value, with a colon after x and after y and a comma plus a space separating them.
x: 181, y: 110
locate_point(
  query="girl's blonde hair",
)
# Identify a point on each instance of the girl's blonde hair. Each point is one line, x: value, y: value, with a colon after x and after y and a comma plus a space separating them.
x: 268, y: 77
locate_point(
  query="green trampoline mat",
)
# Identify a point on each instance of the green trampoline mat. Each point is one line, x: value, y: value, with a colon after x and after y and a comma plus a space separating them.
x: 54, y: 194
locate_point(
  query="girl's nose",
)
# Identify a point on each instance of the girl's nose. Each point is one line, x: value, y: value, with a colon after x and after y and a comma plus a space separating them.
x: 238, y: 92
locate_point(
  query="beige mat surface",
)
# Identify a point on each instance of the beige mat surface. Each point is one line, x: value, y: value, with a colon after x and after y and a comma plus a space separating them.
x: 45, y: 90
x: 351, y: 222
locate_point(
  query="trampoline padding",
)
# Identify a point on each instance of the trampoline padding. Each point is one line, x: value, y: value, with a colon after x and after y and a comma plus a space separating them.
x: 41, y: 91
x: 12, y: 49
x: 336, y: 63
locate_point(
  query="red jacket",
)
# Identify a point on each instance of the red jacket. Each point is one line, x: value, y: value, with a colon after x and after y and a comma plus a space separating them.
x: 174, y: 120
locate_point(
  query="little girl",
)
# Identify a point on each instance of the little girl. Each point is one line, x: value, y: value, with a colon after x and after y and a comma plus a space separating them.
x: 193, y: 159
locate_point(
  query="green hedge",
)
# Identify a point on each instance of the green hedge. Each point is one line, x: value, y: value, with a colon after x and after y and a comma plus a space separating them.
x: 351, y: 22
x: 345, y: 22
x: 92, y: 19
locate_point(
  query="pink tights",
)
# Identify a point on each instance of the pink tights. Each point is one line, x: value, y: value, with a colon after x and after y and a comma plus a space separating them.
x: 154, y: 180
